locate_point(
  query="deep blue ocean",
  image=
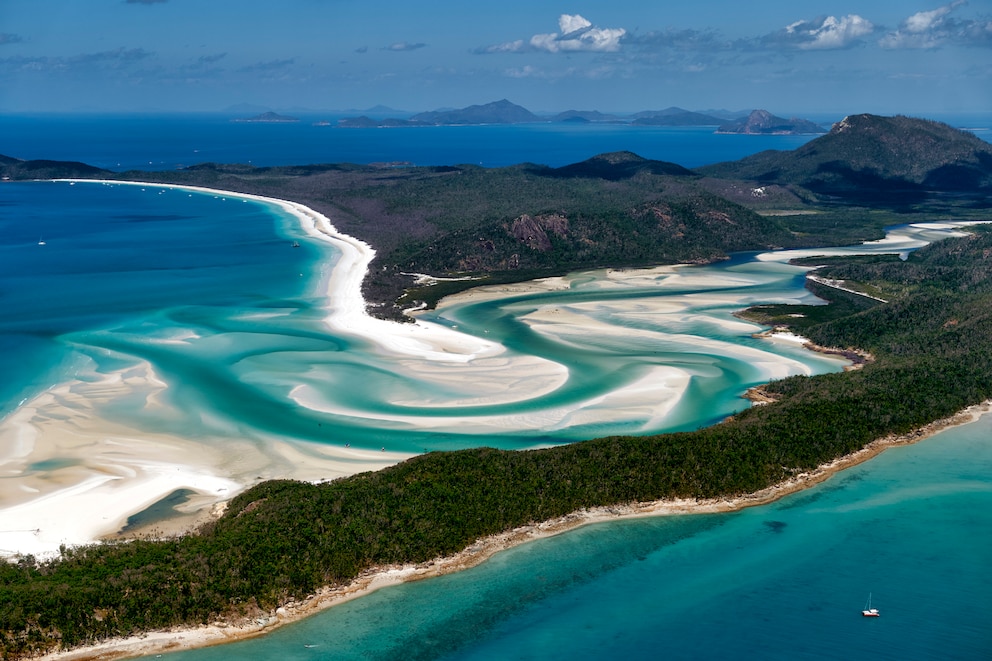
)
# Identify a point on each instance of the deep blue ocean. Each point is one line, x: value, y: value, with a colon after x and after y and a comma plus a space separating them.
x: 209, y: 290
x: 163, y: 143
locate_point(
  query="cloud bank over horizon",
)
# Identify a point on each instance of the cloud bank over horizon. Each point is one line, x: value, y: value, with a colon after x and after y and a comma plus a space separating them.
x: 344, y: 54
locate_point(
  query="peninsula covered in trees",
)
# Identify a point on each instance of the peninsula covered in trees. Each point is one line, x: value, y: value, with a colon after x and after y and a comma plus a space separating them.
x: 931, y: 342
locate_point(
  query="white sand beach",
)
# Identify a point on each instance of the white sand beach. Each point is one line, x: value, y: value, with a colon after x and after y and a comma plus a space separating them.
x: 100, y: 472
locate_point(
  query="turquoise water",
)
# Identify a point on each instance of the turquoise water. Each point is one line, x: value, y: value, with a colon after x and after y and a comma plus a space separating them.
x: 208, y: 291
x: 119, y: 257
x: 788, y: 580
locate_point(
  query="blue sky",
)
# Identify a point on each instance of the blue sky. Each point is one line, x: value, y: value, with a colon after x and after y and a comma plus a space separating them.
x: 798, y: 56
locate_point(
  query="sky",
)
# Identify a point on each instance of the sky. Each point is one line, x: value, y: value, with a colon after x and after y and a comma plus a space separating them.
x: 789, y: 56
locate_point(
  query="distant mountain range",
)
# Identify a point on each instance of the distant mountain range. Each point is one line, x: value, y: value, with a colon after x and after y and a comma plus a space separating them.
x: 861, y: 154
x: 505, y: 112
x: 676, y: 117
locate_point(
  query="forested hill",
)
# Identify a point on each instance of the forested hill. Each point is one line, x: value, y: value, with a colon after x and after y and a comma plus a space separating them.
x: 612, y: 210
x: 512, y: 223
x: 15, y: 168
x: 866, y: 155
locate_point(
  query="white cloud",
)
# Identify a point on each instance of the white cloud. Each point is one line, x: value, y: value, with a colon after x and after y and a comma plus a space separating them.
x: 568, y: 23
x: 828, y: 32
x: 508, y: 47
x: 577, y: 34
x: 928, y: 20
x: 404, y: 46
x: 934, y: 28
x: 522, y: 72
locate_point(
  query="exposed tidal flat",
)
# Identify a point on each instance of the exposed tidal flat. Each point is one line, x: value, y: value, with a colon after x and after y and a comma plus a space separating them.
x: 167, y: 385
x: 605, y: 348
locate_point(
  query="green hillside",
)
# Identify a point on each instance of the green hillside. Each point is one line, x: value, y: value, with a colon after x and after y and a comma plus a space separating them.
x: 512, y: 223
x: 867, y: 156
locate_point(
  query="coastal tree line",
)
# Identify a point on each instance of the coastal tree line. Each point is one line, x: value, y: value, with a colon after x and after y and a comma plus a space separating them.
x: 283, y: 540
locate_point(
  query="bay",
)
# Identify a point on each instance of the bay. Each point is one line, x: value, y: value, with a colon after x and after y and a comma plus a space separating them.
x: 208, y: 290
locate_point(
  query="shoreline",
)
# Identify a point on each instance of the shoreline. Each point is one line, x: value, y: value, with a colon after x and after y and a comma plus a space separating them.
x: 348, y: 313
x: 372, y: 579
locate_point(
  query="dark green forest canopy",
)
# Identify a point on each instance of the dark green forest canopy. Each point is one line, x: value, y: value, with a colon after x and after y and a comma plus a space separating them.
x: 895, y: 159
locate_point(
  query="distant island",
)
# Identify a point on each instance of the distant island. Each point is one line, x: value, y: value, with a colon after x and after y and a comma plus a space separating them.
x: 268, y: 118
x: 506, y: 112
x: 675, y: 116
x: 762, y: 122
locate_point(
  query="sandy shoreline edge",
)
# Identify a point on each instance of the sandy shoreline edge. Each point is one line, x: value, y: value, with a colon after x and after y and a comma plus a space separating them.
x: 352, y: 316
x: 375, y: 578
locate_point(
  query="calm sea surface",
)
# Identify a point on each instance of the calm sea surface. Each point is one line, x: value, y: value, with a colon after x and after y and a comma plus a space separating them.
x: 125, y: 270
x: 163, y: 143
x: 913, y: 527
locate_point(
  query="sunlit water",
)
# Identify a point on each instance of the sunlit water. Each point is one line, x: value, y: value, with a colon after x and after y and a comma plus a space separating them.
x: 912, y: 527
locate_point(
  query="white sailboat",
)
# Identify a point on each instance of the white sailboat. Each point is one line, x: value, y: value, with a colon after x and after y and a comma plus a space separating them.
x: 869, y: 611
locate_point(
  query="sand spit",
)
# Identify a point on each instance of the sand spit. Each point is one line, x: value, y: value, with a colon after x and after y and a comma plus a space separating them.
x: 483, y: 549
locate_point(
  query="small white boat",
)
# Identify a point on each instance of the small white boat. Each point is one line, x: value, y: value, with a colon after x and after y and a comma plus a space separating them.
x: 869, y: 611
x: 41, y: 242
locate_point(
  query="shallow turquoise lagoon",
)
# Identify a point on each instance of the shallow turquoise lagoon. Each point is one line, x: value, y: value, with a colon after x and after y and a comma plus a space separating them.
x: 208, y: 291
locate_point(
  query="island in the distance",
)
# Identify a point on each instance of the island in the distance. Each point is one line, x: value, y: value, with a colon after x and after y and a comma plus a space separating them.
x: 926, y: 333
x: 268, y: 118
x: 505, y: 112
x: 762, y: 122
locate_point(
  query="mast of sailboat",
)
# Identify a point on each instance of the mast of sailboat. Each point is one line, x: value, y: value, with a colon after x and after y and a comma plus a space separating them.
x: 869, y: 611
